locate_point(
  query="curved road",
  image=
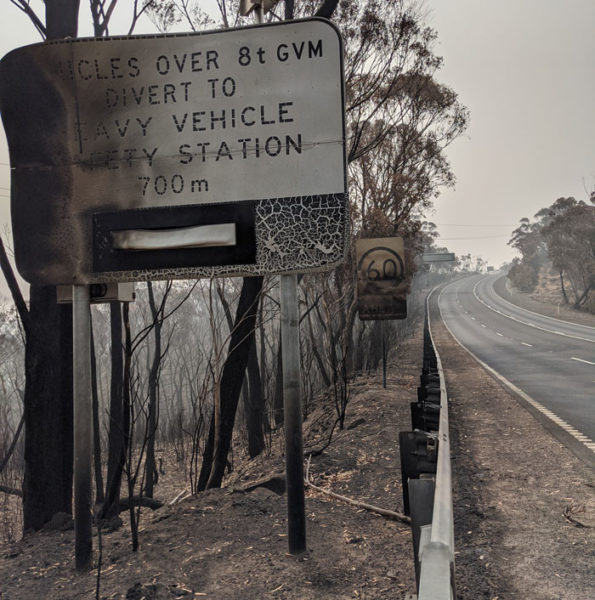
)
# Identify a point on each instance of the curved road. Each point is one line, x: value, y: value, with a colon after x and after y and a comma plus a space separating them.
x: 548, y: 363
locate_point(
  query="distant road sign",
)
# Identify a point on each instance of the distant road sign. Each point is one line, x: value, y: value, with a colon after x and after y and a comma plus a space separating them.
x: 381, y: 279
x: 429, y: 257
x: 173, y: 156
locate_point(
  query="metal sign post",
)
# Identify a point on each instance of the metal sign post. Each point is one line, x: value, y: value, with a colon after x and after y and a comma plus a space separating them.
x: 292, y: 401
x: 81, y: 328
x: 292, y: 391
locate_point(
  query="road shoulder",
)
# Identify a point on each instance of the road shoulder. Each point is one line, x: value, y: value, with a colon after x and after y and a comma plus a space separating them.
x: 523, y: 300
x: 524, y: 504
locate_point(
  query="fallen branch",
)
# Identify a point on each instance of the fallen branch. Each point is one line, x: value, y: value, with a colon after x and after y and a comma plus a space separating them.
x: 13, y: 444
x: 181, y: 496
x: 569, y: 510
x: 319, y: 451
x: 389, y: 514
x: 10, y: 490
x: 139, y: 501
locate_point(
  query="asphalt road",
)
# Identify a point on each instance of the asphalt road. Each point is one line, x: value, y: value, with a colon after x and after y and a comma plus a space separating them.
x: 548, y: 363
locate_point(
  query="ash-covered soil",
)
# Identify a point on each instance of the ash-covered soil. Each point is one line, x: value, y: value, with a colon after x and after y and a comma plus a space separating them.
x: 231, y: 544
x: 524, y: 512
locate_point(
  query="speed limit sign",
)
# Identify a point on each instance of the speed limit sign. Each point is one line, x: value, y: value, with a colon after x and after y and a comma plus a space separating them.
x: 381, y: 278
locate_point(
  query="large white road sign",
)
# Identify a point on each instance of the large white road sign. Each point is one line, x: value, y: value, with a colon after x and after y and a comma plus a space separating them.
x: 176, y: 156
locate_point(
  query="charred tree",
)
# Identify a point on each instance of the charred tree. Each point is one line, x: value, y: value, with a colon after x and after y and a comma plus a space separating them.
x: 47, y: 484
x: 116, y: 437
x: 150, y: 470
x: 232, y: 376
x: 254, y: 408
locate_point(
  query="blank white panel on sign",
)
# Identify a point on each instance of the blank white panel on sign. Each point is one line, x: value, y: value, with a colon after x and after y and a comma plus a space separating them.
x: 168, y: 239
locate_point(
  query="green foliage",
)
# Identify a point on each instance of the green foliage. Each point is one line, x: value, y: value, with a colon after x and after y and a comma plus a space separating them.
x: 523, y: 275
x: 570, y: 238
x: 564, y: 233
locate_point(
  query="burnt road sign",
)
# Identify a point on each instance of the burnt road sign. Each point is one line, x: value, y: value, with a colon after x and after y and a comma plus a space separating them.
x: 381, y: 279
x: 174, y: 156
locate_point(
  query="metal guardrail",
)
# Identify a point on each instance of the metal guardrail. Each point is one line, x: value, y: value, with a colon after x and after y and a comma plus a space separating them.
x: 427, y: 484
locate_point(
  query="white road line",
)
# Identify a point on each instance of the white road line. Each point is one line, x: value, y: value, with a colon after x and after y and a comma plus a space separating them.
x: 473, y: 319
x: 484, y: 326
x: 530, y: 312
x: 525, y: 344
x: 575, y: 433
x: 582, y: 360
x: 503, y: 314
x: 498, y: 333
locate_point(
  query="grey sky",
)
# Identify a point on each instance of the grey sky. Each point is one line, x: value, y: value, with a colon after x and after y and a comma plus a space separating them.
x: 525, y: 69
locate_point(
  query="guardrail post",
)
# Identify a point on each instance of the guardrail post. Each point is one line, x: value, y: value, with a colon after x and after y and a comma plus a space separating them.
x: 421, y: 502
x: 418, y: 455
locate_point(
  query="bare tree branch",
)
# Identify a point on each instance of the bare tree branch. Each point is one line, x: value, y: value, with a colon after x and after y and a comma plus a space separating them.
x: 23, y: 5
x: 12, y: 491
x: 14, y: 288
x: 13, y: 444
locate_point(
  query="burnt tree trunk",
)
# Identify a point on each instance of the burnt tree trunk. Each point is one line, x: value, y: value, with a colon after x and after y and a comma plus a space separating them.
x: 47, y: 484
x: 255, y: 409
x: 116, y: 454
x: 150, y: 470
x: 278, y: 409
x: 233, y: 375
x: 61, y: 18
x: 252, y: 394
x: 207, y: 458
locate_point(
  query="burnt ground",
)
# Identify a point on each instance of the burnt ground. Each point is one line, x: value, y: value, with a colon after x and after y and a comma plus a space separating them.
x: 524, y: 512
x: 231, y: 544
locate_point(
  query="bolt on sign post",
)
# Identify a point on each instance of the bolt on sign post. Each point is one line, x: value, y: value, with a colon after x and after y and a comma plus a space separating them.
x: 174, y: 156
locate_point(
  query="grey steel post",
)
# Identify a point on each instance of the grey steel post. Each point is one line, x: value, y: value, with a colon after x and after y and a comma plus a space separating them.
x: 292, y: 402
x: 81, y: 334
